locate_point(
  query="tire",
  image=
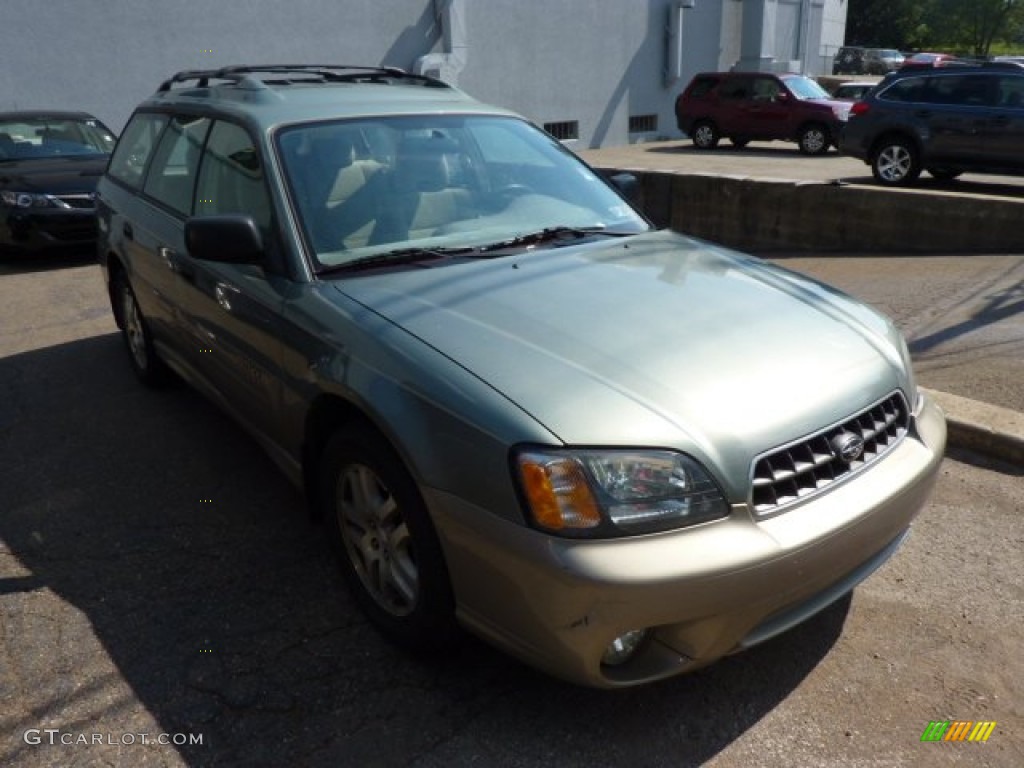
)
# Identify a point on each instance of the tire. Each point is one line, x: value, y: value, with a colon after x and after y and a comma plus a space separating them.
x: 813, y: 139
x: 386, y: 545
x: 138, y: 340
x: 895, y: 162
x: 944, y: 174
x: 739, y: 143
x: 705, y: 134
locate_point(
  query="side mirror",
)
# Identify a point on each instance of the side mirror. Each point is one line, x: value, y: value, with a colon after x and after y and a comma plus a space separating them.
x: 231, y: 238
x: 627, y: 184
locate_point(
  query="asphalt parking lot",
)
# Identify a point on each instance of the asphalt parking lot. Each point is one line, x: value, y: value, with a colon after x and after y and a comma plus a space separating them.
x: 158, y: 576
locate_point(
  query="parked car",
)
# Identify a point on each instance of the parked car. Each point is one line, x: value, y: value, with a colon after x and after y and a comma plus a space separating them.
x: 881, y: 61
x: 849, y: 60
x: 852, y: 91
x: 615, y: 452
x: 925, y: 59
x: 49, y: 165
x: 759, y: 106
x: 944, y: 121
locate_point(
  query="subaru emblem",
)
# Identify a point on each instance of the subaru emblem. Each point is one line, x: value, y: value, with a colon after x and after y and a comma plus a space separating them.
x: 848, y: 446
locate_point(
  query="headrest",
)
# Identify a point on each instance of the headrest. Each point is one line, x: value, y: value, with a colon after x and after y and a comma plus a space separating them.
x: 426, y: 163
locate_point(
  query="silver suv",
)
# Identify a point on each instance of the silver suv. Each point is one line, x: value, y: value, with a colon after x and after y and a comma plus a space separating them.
x: 616, y: 453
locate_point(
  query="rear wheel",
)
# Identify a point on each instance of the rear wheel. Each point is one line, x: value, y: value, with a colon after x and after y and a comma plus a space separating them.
x: 387, y: 546
x: 137, y: 339
x: 895, y: 162
x: 813, y: 139
x: 705, y: 135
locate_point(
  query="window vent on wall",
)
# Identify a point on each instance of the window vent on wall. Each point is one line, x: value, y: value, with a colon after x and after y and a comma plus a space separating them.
x: 568, y: 129
x: 643, y: 123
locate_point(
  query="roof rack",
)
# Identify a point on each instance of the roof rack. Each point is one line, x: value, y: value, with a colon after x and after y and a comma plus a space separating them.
x: 263, y: 76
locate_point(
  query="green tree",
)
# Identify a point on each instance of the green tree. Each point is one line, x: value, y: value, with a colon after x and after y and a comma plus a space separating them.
x: 974, y: 25
x: 969, y: 25
x: 890, y: 23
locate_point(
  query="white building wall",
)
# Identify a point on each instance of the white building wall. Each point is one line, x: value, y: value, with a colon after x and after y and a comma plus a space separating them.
x: 595, y: 64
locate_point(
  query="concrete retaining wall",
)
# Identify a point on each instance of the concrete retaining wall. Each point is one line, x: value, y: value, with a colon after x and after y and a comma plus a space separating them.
x: 764, y: 215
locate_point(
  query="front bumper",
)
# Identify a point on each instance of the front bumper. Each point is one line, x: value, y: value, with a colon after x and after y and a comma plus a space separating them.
x: 704, y: 592
x: 852, y: 141
x: 35, y: 231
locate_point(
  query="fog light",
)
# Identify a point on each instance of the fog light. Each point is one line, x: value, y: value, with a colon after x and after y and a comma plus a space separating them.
x: 623, y: 647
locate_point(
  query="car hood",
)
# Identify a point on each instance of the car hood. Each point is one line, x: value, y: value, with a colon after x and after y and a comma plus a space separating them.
x: 654, y: 340
x: 53, y: 175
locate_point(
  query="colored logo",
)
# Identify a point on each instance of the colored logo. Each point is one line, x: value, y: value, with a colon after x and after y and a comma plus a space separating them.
x: 958, y: 730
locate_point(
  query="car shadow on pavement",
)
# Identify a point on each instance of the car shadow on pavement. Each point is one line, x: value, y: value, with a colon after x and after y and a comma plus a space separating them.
x: 45, y: 262
x: 157, y: 574
x: 962, y: 186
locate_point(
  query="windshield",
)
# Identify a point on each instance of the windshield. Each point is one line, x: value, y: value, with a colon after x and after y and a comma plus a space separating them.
x: 805, y: 88
x: 31, y: 137
x: 438, y: 182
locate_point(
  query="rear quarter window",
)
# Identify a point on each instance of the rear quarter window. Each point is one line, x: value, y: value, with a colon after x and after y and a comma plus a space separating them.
x: 702, y: 86
x: 128, y: 163
x: 908, y: 90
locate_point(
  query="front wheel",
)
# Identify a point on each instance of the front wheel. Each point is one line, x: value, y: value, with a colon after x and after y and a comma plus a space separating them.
x: 895, y: 162
x: 137, y: 339
x: 388, y: 549
x: 813, y: 139
x: 705, y: 135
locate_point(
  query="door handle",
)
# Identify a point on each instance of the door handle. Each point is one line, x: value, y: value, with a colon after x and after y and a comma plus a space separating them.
x: 129, y: 233
x: 224, y: 293
x: 167, y: 256
x: 170, y: 259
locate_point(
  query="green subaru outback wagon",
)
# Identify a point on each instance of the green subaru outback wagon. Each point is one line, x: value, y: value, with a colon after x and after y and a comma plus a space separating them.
x: 616, y: 453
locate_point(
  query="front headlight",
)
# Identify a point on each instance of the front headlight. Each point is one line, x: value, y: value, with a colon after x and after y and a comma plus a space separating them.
x: 598, y: 493
x: 29, y: 200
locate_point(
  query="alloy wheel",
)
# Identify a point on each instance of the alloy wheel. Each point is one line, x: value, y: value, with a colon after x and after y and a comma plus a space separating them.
x: 894, y: 163
x: 134, y: 331
x: 377, y: 540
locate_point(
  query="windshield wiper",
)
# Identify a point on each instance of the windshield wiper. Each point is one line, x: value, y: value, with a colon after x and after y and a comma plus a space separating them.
x: 396, y: 257
x: 550, y: 234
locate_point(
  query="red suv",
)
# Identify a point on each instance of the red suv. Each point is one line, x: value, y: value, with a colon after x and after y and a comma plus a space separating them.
x: 758, y: 106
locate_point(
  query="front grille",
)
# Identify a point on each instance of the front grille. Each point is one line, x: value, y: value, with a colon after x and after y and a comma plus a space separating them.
x: 84, y: 200
x: 809, y: 466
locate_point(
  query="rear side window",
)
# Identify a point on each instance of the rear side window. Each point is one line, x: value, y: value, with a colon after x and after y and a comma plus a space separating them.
x: 736, y: 88
x: 128, y: 163
x: 961, y: 90
x: 172, y: 175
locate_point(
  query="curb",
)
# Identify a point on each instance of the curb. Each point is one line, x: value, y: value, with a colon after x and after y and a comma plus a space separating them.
x: 988, y: 429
